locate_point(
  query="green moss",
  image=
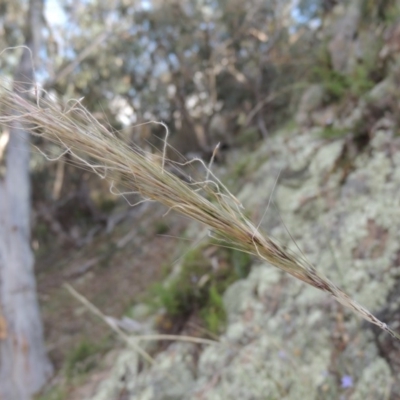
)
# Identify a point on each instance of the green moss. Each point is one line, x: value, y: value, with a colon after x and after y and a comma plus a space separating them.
x: 330, y: 132
x: 391, y: 13
x: 161, y: 228
x: 41, y: 230
x: 289, y: 126
x: 384, y: 10
x: 338, y: 85
x: 248, y: 136
x: 241, y: 263
x: 213, y: 313
x: 360, y: 81
x: 240, y: 168
x: 184, y: 293
x: 199, y: 286
x: 82, y: 358
x: 175, y: 299
x: 55, y: 393
x: 107, y: 253
x: 107, y: 204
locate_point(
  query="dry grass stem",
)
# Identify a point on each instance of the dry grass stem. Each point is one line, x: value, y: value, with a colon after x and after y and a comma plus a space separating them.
x: 132, y: 339
x: 94, y: 310
x: 209, y: 202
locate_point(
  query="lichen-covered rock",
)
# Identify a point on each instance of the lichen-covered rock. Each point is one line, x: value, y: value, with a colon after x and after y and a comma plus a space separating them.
x: 171, y: 376
x: 311, y: 100
x: 381, y: 95
x: 344, y: 29
x: 285, y: 340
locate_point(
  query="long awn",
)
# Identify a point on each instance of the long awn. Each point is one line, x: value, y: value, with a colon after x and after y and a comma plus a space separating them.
x: 208, y: 202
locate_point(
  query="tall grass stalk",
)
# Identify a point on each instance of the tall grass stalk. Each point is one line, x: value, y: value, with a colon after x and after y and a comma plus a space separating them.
x: 208, y: 202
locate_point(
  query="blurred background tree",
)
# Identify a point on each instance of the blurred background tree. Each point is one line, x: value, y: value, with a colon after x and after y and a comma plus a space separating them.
x: 200, y: 66
x: 24, y: 366
x: 213, y: 71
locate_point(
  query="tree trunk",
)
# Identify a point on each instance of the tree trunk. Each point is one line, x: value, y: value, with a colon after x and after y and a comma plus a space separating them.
x: 24, y: 366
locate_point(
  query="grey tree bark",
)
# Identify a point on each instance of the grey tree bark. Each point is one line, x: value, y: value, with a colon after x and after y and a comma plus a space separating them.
x: 24, y: 365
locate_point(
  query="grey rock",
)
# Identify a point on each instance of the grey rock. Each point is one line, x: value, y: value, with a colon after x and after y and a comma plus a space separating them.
x: 312, y: 98
x: 280, y: 337
x: 284, y: 339
x: 341, y: 46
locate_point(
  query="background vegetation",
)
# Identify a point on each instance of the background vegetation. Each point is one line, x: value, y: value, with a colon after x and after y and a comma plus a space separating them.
x: 214, y: 71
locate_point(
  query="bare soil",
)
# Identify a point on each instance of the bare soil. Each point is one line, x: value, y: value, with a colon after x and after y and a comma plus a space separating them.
x: 113, y: 272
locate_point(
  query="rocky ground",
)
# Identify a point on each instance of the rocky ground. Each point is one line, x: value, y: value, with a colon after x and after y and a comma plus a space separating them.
x: 284, y: 339
x: 328, y: 186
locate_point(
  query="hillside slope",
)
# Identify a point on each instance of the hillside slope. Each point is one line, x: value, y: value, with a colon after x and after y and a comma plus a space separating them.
x: 333, y: 176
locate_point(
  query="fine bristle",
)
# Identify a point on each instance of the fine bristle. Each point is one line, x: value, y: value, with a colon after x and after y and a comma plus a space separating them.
x: 208, y: 202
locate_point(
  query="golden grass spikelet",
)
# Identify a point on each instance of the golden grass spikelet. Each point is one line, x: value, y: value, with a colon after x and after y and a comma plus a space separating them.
x: 208, y: 202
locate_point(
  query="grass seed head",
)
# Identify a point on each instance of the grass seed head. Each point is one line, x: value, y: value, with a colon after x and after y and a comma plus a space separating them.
x: 128, y: 167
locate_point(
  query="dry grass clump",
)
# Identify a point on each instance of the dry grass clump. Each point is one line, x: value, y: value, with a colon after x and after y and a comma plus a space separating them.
x: 209, y: 202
